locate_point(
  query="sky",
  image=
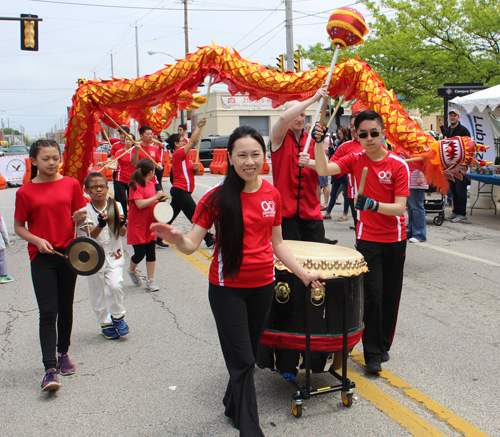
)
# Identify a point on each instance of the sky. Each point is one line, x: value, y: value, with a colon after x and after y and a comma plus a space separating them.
x: 76, y: 40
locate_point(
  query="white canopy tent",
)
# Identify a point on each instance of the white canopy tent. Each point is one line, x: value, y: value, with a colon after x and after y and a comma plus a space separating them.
x: 480, y: 100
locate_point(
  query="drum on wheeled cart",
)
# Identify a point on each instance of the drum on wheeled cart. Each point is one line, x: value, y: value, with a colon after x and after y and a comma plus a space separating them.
x: 317, y: 323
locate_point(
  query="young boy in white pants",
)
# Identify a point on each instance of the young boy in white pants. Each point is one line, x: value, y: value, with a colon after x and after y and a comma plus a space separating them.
x: 105, y: 286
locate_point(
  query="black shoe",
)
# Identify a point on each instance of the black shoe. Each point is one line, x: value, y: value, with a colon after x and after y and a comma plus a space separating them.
x: 328, y: 241
x: 209, y: 240
x: 352, y: 227
x: 385, y: 357
x: 374, y: 368
x: 161, y: 244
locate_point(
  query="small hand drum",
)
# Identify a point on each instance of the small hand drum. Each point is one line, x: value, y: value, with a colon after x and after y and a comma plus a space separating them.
x: 113, y: 217
x: 163, y: 212
x: 84, y: 256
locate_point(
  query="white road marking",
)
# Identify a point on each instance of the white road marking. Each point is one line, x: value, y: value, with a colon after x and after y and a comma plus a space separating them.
x: 463, y: 255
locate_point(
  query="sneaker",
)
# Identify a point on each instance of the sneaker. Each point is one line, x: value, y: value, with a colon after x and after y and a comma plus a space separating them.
x: 50, y: 381
x: 151, y: 286
x: 328, y: 241
x: 109, y: 332
x: 386, y: 357
x: 451, y: 217
x: 161, y: 244
x: 343, y: 219
x: 210, y: 240
x: 121, y: 326
x: 414, y: 240
x: 5, y: 279
x: 135, y: 277
x: 65, y: 366
x: 459, y: 219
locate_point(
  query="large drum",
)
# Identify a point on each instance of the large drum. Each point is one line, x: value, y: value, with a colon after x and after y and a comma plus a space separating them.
x: 286, y: 326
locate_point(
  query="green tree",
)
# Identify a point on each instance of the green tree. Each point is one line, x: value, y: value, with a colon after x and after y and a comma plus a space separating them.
x: 418, y: 45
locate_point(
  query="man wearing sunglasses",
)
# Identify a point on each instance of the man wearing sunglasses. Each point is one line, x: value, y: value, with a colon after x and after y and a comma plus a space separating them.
x: 381, y: 230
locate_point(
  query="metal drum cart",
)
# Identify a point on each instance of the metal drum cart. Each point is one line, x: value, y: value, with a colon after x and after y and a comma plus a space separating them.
x: 315, y: 323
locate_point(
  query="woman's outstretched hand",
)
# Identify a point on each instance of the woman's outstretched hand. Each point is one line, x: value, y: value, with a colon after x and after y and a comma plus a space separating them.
x: 166, y: 232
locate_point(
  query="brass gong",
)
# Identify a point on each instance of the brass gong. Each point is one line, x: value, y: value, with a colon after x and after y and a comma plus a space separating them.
x: 113, y: 218
x: 85, y: 256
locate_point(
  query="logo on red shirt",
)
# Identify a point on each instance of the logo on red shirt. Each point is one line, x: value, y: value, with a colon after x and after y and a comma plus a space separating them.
x: 268, y: 208
x: 384, y: 177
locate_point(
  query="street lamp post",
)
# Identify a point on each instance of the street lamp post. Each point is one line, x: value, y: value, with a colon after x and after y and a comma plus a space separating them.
x: 151, y: 53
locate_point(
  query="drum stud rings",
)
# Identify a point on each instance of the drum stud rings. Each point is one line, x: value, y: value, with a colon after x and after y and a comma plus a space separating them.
x: 317, y: 296
x: 282, y: 290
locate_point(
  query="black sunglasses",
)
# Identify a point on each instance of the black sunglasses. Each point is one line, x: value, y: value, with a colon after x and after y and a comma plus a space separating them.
x: 373, y: 134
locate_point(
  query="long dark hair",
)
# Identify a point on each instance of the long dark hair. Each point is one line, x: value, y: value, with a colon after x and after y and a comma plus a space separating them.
x: 144, y: 166
x: 345, y: 133
x: 226, y: 202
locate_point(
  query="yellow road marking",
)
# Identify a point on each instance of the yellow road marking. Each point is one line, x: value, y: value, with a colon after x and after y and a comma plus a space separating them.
x: 434, y: 407
x: 414, y: 424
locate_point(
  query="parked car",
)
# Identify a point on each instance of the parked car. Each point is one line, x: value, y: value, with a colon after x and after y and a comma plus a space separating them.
x: 17, y: 150
x: 207, y: 146
x: 103, y: 147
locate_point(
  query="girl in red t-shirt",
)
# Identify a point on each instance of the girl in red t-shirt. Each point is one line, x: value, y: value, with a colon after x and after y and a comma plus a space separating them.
x: 183, y: 170
x: 246, y: 211
x: 50, y: 205
x: 142, y: 199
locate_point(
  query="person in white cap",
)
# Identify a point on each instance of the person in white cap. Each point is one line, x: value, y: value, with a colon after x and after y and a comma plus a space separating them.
x: 458, y: 187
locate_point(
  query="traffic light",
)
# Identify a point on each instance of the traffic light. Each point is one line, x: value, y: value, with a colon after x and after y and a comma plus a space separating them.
x: 29, y: 33
x: 296, y: 60
x: 281, y: 63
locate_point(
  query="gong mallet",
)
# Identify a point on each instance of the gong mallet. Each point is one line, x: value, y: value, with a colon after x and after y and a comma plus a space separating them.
x: 363, y: 180
x: 131, y: 139
x: 320, y: 103
x: 204, y: 113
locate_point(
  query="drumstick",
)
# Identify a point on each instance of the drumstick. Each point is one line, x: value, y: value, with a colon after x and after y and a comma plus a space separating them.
x: 55, y: 252
x: 133, y: 141
x: 204, y: 113
x: 341, y: 100
x: 363, y: 180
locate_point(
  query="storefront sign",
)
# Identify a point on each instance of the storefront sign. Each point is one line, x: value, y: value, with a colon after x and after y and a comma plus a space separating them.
x: 244, y: 103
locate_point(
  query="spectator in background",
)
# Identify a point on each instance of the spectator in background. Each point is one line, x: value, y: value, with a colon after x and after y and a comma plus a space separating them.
x: 458, y: 186
x: 338, y: 182
x: 417, y: 232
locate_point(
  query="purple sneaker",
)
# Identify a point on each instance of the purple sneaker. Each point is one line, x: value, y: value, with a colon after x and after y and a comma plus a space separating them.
x: 50, y: 381
x: 65, y: 366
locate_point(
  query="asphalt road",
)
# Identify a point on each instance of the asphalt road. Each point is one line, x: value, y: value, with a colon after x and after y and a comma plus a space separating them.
x: 167, y: 377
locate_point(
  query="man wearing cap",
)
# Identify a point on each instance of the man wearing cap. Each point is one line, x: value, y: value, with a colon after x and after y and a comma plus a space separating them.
x: 458, y: 187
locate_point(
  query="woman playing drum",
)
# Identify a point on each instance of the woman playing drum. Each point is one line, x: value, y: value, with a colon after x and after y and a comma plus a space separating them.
x: 246, y: 211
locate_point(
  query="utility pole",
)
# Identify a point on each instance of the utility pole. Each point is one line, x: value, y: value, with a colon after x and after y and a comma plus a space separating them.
x: 137, y: 50
x: 112, y: 71
x: 289, y: 36
x: 186, y: 39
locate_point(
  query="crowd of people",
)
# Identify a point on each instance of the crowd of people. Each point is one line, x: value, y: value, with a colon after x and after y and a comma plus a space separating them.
x: 252, y: 219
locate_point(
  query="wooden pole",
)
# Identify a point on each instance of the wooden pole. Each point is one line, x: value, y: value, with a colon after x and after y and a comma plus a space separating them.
x: 341, y: 100
x: 131, y: 139
x: 204, y: 113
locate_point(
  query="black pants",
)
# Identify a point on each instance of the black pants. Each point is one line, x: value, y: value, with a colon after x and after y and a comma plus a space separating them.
x: 159, y: 176
x: 240, y: 315
x: 354, y: 213
x: 54, y: 285
x: 182, y: 201
x: 459, y: 194
x: 121, y: 195
x: 299, y: 229
x: 140, y: 250
x: 383, y: 285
